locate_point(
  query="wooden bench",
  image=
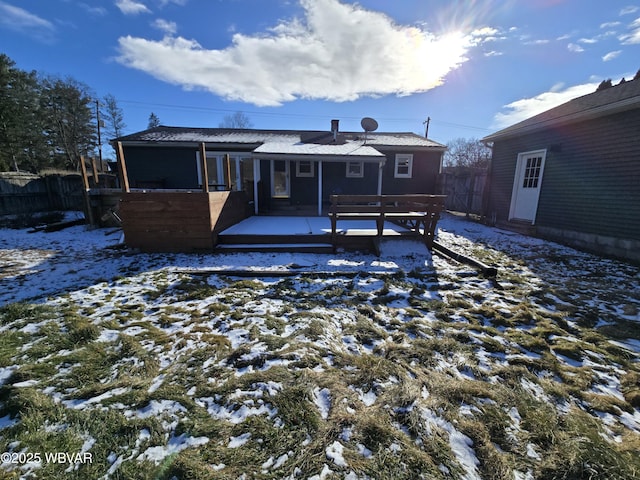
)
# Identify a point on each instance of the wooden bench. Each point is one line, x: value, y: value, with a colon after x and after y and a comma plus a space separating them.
x: 416, y: 212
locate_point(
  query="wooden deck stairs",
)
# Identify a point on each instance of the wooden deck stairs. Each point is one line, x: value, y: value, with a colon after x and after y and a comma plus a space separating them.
x: 274, y: 243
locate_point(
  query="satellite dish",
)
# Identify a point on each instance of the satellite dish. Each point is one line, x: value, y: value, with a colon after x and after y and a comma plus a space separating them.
x: 369, y: 124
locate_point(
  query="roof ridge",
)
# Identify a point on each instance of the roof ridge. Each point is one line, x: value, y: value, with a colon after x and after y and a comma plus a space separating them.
x: 577, y: 108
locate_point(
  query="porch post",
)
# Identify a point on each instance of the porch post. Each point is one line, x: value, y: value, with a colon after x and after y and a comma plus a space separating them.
x: 319, y: 188
x: 256, y: 179
x: 380, y: 168
x: 204, y: 168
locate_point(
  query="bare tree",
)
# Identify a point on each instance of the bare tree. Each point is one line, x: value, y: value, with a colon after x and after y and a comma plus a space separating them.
x: 237, y: 120
x: 463, y: 152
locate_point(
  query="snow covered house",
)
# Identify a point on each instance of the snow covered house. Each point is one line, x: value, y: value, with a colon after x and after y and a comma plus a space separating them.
x: 572, y: 174
x: 276, y: 172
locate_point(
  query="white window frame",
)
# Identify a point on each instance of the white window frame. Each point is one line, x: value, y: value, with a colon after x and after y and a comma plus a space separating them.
x: 235, y: 158
x: 402, y: 160
x: 350, y: 174
x: 302, y: 173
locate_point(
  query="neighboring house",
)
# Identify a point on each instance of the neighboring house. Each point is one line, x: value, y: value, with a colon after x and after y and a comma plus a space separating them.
x: 283, y: 169
x: 572, y: 173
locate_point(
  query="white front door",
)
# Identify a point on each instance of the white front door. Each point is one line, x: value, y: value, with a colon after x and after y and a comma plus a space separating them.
x: 526, y: 187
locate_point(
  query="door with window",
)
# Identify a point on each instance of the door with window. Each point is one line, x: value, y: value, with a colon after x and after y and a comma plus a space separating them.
x: 527, y: 184
x: 280, y: 178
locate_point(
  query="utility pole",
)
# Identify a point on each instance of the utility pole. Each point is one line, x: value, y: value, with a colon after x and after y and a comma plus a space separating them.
x: 98, y: 121
x: 426, y: 130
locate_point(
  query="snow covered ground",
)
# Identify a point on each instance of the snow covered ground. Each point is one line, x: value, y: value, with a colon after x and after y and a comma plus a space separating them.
x: 398, y: 366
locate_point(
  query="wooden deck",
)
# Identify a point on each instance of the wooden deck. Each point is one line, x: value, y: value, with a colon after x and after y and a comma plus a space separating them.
x: 304, y: 234
x: 178, y: 221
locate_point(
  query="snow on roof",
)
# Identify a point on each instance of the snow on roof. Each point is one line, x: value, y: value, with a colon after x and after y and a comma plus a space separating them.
x: 210, y: 135
x: 350, y: 149
x: 164, y: 134
x: 398, y: 139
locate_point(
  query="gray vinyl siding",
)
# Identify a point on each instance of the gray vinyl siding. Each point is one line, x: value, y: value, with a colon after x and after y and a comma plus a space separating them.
x: 336, y: 181
x: 424, y: 178
x: 591, y: 180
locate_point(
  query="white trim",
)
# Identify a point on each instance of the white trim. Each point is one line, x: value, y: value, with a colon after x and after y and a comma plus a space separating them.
x: 235, y: 158
x: 403, y: 157
x: 320, y: 188
x: 300, y: 173
x: 256, y: 179
x: 348, y: 174
x: 516, y: 191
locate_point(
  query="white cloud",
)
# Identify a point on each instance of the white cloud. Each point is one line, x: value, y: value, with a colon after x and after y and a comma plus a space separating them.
x: 96, y: 11
x: 611, y: 55
x: 131, y: 7
x: 20, y: 20
x: 528, y: 107
x: 165, y: 26
x: 338, y: 52
x: 574, y: 47
x: 633, y: 37
x: 541, y: 41
x: 629, y: 10
x: 181, y: 3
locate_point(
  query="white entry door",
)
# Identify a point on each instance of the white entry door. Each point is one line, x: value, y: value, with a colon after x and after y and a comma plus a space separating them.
x: 526, y: 187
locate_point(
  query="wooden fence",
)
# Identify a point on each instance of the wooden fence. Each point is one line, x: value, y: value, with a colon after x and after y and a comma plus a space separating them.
x: 26, y: 193
x: 465, y: 189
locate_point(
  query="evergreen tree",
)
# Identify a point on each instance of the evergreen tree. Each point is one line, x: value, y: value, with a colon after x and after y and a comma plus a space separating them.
x: 113, y: 117
x: 604, y: 85
x: 154, y: 121
x: 22, y: 146
x: 70, y: 127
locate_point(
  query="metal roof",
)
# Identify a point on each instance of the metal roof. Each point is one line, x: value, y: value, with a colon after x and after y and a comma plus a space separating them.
x: 351, y: 150
x: 621, y: 97
x: 188, y: 135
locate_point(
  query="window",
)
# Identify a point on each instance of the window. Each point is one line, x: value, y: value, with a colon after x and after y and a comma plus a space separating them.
x: 355, y: 169
x: 304, y: 168
x: 220, y: 171
x: 404, y: 165
x: 532, y: 172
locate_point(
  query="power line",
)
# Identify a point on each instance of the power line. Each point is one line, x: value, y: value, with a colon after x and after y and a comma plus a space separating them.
x: 295, y: 115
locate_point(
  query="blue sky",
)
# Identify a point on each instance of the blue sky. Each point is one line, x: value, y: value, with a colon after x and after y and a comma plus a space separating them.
x: 472, y: 66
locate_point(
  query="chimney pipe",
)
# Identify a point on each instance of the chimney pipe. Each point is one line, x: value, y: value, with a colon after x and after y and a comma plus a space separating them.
x: 334, y: 128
